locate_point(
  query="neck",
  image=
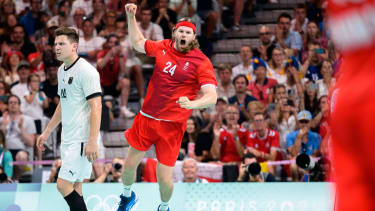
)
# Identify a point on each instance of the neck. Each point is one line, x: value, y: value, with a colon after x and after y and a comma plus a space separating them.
x: 13, y: 115
x: 53, y: 81
x: 246, y: 63
x: 69, y: 61
x: 189, y: 180
x: 327, y: 79
x: 145, y: 25
x: 88, y: 37
x: 241, y: 96
x: 260, y: 81
x: 261, y: 133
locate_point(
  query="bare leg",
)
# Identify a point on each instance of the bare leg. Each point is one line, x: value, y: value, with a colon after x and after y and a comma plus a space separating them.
x: 238, y: 8
x: 164, y: 175
x: 124, y: 87
x: 211, y: 23
x: 65, y: 187
x: 132, y: 160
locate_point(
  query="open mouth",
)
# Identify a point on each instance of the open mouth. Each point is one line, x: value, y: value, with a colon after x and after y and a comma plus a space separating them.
x: 182, y: 42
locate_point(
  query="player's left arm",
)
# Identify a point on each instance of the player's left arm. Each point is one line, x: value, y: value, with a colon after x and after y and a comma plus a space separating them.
x: 208, y: 98
x: 95, y: 118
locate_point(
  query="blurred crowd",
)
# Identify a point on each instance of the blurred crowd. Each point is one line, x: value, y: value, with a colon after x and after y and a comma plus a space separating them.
x: 272, y: 106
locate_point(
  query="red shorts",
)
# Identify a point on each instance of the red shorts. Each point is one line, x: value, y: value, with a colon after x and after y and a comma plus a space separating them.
x: 166, y: 136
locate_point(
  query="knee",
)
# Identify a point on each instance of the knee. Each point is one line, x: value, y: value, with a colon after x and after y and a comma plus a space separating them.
x: 164, y: 180
x: 21, y: 156
x: 125, y: 83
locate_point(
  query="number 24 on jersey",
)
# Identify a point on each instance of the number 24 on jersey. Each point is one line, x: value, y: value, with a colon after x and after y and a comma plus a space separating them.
x: 169, y: 69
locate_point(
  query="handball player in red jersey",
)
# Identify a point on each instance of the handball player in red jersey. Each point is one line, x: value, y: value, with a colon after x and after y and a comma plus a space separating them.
x: 181, y: 71
x: 353, y: 104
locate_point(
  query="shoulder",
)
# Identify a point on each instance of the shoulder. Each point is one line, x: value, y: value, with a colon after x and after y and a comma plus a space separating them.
x: 250, y: 98
x: 292, y: 134
x: 243, y: 130
x: 272, y: 133
x: 314, y: 135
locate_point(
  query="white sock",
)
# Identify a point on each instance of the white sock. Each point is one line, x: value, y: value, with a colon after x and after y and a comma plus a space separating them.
x: 163, y: 206
x: 127, y: 191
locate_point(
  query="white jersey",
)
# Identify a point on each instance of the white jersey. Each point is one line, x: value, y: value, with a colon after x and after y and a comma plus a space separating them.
x: 77, y: 84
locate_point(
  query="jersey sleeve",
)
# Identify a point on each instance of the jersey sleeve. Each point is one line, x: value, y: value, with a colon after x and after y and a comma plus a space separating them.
x: 206, y: 73
x: 250, y: 142
x: 244, y: 136
x: 151, y: 47
x: 90, y: 82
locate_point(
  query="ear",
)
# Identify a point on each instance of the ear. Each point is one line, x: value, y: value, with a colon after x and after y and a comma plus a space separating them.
x: 75, y: 46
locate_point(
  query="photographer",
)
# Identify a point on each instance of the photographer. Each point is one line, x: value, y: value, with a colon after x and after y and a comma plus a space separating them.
x: 250, y: 171
x: 112, y: 171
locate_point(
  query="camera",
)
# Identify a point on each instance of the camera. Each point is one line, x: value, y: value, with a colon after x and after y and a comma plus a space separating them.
x: 253, y: 169
x: 317, y: 169
x: 117, y: 166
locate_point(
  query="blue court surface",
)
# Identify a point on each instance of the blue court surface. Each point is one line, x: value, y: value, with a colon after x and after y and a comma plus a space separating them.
x: 186, y: 197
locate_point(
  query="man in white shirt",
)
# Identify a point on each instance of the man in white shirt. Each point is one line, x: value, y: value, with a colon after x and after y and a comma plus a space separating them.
x: 19, y: 88
x: 299, y: 23
x: 245, y: 66
x: 150, y: 30
x: 89, y: 43
x: 79, y: 111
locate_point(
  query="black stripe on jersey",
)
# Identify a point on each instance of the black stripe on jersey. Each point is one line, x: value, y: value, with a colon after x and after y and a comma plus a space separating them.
x: 71, y: 64
x: 94, y: 95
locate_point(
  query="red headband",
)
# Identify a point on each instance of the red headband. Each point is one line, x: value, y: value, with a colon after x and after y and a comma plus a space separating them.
x: 187, y: 24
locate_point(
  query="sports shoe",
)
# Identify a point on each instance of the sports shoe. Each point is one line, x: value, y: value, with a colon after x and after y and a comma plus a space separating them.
x: 128, y: 203
x: 127, y: 113
x: 167, y: 209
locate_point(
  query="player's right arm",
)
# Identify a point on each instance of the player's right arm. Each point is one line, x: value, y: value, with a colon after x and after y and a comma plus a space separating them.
x: 56, y: 119
x: 136, y: 37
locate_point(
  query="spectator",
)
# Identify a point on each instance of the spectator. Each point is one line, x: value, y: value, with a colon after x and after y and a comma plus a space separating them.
x: 150, y: 30
x: 49, y: 87
x: 10, y: 22
x: 7, y: 7
x: 327, y: 82
x: 19, y: 42
x: 302, y: 141
x: 5, y: 156
x: 19, y: 130
x: 36, y: 59
x: 237, y: 6
x: 293, y: 83
x: 229, y: 142
x: 48, y: 31
x: 313, y: 35
x: 253, y: 108
x: 279, y: 98
x: 34, y: 101
x: 241, y: 99
x: 299, y: 23
x: 112, y: 172
x: 20, y: 87
x: 111, y: 67
x: 225, y: 88
x: 206, y: 12
x: 50, y: 6
x: 133, y: 64
x: 276, y: 66
x: 109, y: 24
x: 245, y: 66
x: 313, y: 63
x: 183, y: 8
x: 32, y: 20
x: 98, y: 14
x: 89, y: 43
x: 310, y: 102
x: 190, y: 172
x: 287, y: 122
x: 190, y: 137
x: 78, y: 16
x: 263, y: 142
x: 262, y: 86
x: 320, y: 121
x: 264, y: 51
x: 21, y: 6
x: 245, y: 175
x: 10, y: 73
x: 85, y: 5
x: 63, y: 16
x: 289, y: 40
x: 164, y: 17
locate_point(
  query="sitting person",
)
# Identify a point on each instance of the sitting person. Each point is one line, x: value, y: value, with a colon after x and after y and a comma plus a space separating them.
x: 250, y: 171
x: 112, y: 171
x: 190, y: 172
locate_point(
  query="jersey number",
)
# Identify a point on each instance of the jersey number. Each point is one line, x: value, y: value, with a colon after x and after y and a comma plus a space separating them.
x: 168, y: 69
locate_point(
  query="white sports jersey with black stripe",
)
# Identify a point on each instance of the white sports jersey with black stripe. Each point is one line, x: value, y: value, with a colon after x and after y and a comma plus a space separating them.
x: 77, y: 84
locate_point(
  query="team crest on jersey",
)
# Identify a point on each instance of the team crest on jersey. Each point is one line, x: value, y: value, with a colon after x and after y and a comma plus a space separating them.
x: 70, y: 80
x: 186, y: 66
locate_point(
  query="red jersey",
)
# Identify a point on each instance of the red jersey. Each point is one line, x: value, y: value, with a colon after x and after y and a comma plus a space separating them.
x: 262, y: 93
x: 270, y: 141
x: 228, y: 150
x: 110, y: 72
x: 175, y: 75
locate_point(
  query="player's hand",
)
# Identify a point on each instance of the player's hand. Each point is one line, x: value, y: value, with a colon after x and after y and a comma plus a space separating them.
x: 185, y: 103
x: 91, y: 151
x: 130, y: 9
x: 41, y: 140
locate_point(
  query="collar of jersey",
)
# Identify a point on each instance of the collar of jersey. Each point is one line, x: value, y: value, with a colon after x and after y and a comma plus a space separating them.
x: 72, y: 64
